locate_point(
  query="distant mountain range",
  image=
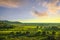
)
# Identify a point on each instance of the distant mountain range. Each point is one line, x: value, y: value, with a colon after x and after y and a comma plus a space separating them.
x: 10, y: 22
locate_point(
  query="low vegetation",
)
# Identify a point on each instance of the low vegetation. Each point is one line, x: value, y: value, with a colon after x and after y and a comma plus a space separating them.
x: 29, y: 31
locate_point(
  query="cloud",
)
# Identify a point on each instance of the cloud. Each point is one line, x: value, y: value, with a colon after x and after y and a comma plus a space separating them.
x: 12, y: 3
x: 9, y: 3
x: 52, y: 5
x: 39, y: 14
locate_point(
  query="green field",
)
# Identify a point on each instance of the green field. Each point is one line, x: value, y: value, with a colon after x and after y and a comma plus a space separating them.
x: 29, y: 31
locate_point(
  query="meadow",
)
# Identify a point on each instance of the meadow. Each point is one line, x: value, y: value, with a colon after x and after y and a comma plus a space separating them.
x: 29, y: 31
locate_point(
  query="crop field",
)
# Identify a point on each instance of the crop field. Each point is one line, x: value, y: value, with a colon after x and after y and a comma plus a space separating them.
x: 29, y: 31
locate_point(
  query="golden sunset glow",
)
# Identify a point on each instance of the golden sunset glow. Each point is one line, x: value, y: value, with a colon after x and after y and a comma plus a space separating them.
x: 51, y: 20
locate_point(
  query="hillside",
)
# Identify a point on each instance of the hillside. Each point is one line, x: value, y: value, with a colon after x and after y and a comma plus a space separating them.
x: 10, y: 22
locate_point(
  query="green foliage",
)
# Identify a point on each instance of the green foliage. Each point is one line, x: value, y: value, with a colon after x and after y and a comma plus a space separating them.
x: 5, y: 26
x: 29, y: 31
x: 38, y: 33
x: 50, y: 38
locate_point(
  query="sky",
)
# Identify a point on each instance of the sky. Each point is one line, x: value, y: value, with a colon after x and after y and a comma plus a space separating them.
x: 30, y: 11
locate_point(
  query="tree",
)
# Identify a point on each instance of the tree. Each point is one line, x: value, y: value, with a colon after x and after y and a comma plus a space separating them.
x: 58, y: 38
x: 2, y: 38
x: 43, y: 33
x: 27, y: 33
x: 47, y: 33
x: 11, y: 34
x: 53, y: 32
x: 38, y: 33
x: 18, y: 33
x: 37, y: 27
x: 50, y: 38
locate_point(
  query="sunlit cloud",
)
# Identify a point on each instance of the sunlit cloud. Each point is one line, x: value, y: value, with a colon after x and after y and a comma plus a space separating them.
x: 9, y: 3
x: 39, y: 14
x: 52, y: 5
x: 12, y: 3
